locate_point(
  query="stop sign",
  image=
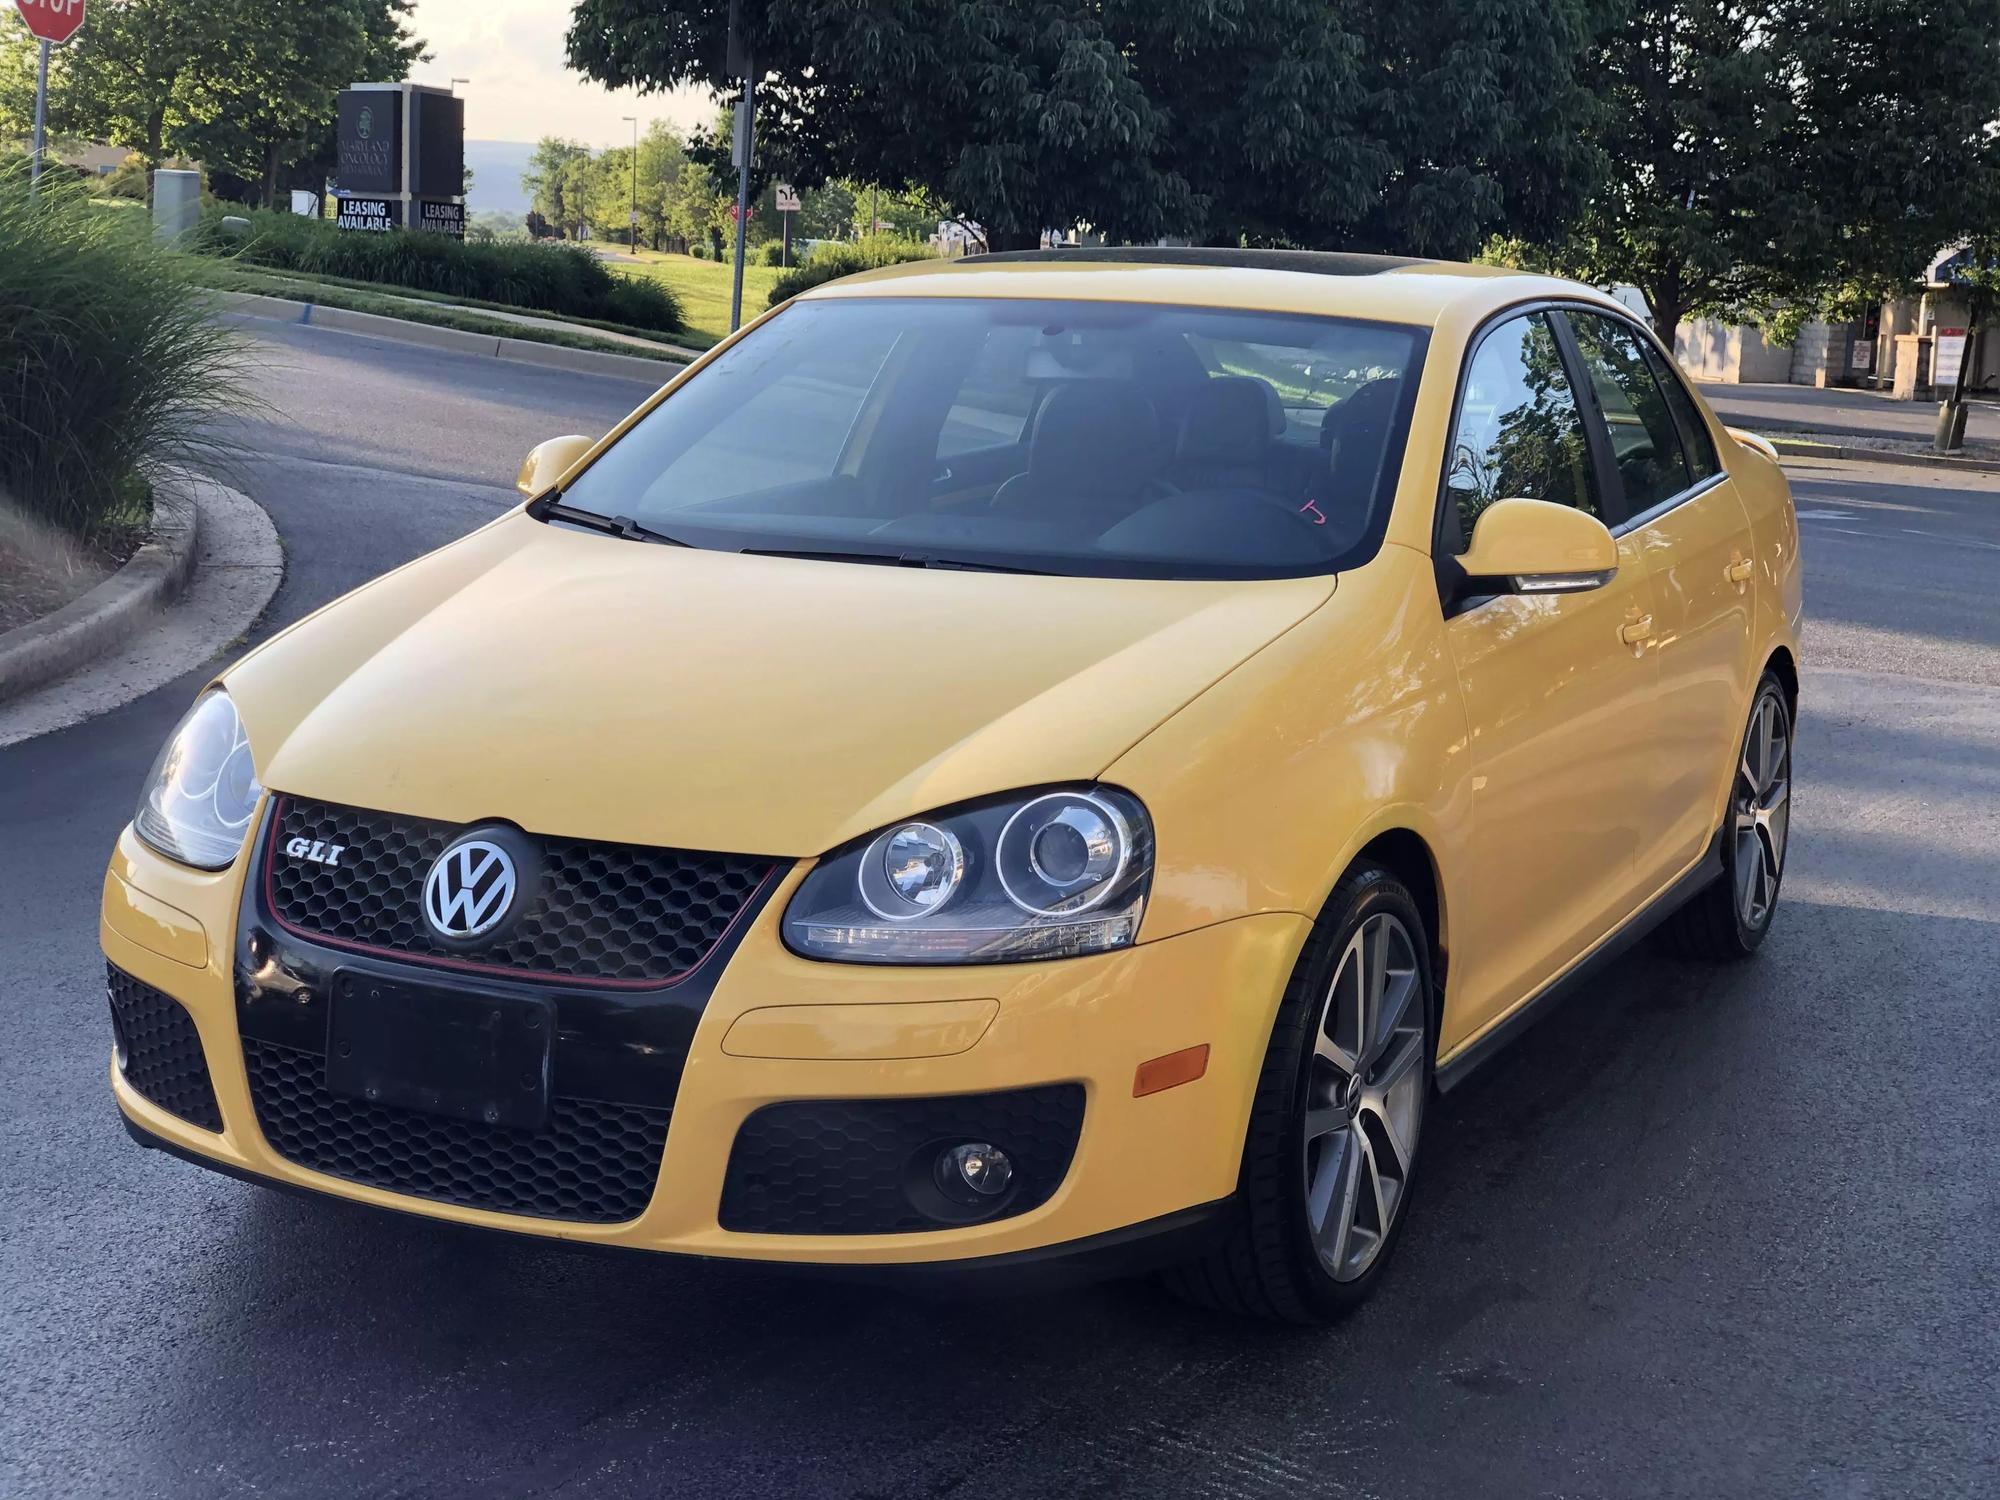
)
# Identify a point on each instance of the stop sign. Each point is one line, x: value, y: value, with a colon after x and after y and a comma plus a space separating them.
x: 51, y: 20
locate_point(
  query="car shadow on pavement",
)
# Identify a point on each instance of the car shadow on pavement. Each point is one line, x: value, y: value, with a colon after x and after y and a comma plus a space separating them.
x: 1571, y: 1190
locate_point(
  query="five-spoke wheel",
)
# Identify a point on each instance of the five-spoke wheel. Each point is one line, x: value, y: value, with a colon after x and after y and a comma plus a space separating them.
x: 1762, y: 809
x: 1332, y: 1142
x: 1364, y: 1096
x: 1728, y: 918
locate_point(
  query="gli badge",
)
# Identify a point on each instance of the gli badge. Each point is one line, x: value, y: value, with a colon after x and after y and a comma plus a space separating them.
x: 315, y: 851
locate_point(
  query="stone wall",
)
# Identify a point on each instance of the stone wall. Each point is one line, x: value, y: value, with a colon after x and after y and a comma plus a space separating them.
x: 1730, y: 354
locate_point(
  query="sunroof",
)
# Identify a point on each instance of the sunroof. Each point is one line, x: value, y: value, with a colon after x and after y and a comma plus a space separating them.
x: 1314, y: 262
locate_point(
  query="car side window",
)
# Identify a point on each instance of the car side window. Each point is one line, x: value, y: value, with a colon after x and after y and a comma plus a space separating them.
x: 1699, y: 446
x: 1519, y: 433
x: 1645, y: 438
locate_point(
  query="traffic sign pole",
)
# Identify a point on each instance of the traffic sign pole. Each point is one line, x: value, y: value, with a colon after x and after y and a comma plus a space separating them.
x: 41, y: 120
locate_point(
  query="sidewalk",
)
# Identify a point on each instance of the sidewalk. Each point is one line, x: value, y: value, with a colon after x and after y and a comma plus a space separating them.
x: 1772, y: 409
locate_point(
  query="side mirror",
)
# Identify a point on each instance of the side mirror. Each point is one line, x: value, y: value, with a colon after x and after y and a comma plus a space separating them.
x: 550, y: 462
x: 1541, y: 548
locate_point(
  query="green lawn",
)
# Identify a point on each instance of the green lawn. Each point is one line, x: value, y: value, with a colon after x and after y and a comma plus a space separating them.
x: 703, y: 288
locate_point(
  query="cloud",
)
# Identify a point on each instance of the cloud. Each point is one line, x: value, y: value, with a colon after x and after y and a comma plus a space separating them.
x: 521, y: 88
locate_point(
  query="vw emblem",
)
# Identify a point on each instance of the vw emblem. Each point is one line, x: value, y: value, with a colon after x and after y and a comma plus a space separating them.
x: 470, y: 889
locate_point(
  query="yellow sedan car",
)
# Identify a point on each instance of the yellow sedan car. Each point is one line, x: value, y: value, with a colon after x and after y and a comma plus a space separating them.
x: 1049, y: 758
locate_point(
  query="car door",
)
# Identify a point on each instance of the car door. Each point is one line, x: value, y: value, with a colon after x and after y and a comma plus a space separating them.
x: 1685, y: 516
x: 1559, y: 704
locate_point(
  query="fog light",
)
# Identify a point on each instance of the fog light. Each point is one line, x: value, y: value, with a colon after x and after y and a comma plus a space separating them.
x: 974, y: 1172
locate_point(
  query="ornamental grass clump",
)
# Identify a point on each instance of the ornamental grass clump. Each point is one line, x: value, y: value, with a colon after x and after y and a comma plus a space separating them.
x: 112, y: 366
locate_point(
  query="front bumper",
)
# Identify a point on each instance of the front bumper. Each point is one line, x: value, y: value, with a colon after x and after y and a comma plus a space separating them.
x: 777, y: 1028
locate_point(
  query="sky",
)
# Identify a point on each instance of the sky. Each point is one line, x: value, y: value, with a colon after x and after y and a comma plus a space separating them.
x: 512, y: 51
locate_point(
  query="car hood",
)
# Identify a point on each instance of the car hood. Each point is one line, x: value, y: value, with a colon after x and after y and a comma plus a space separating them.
x: 578, y: 684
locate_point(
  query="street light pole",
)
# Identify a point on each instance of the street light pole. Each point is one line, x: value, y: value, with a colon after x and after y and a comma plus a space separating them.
x: 745, y: 146
x: 632, y: 237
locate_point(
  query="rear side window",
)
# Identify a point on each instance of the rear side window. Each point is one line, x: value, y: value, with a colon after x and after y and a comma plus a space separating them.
x: 1519, y: 433
x: 1645, y: 438
x: 1695, y: 441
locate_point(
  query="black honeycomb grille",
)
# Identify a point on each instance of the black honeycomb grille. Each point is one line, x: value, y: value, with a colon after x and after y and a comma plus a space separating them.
x: 595, y: 1163
x: 605, y: 913
x: 159, y: 1050
x: 862, y: 1166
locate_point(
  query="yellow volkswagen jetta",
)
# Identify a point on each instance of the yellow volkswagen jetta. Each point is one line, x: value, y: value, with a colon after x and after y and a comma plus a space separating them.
x: 1048, y: 757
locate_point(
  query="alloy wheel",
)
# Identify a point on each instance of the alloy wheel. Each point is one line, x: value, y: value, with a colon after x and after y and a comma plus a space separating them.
x: 1364, y: 1097
x: 1762, y: 811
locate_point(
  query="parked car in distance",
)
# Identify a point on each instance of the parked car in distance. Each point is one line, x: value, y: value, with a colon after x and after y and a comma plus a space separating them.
x: 1046, y: 758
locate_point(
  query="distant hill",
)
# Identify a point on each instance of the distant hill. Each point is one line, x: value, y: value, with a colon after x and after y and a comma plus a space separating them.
x: 496, y: 176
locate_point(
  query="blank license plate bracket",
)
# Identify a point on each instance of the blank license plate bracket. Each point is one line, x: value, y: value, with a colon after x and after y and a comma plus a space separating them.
x: 483, y: 1059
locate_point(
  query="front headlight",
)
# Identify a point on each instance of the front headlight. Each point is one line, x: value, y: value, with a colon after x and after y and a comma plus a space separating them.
x: 1049, y: 874
x: 203, y: 790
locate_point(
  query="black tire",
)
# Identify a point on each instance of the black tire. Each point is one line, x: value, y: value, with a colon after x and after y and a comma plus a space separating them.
x: 1267, y: 1266
x: 1714, y: 924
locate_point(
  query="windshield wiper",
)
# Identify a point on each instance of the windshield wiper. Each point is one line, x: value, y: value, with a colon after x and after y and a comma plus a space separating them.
x: 896, y: 560
x: 618, y: 526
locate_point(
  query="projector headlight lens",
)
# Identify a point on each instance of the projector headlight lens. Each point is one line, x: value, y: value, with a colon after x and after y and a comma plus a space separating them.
x: 1051, y: 874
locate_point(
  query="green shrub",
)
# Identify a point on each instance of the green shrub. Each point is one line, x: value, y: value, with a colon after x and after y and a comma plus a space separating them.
x: 128, y: 179
x: 561, y: 279
x: 770, y: 253
x: 842, y: 258
x: 111, y: 364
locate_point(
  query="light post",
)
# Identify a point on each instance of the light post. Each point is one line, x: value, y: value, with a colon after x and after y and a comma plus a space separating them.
x: 632, y: 238
x: 454, y: 83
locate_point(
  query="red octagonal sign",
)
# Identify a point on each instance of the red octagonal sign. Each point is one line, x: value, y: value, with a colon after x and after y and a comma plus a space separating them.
x: 52, y: 20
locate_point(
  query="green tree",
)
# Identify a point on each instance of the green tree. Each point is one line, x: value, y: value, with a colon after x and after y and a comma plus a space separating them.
x: 1413, y: 127
x: 608, y: 193
x: 247, y: 86
x: 1774, y: 152
x: 827, y: 212
x: 558, y: 179
x: 662, y: 154
x: 696, y: 212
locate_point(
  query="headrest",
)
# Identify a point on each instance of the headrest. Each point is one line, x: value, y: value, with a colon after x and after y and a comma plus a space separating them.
x: 1101, y: 433
x: 1369, y: 411
x: 1232, y: 418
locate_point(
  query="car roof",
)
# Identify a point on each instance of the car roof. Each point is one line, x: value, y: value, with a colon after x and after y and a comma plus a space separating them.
x: 1384, y: 288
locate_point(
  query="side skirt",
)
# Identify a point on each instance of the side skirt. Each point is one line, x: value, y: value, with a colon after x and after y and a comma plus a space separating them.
x: 1469, y: 1059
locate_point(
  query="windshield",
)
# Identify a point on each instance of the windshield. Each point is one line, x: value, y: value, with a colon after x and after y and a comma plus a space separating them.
x: 1095, y: 438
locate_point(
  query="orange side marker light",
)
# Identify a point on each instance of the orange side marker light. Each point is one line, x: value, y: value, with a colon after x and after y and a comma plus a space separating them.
x: 1171, y: 1071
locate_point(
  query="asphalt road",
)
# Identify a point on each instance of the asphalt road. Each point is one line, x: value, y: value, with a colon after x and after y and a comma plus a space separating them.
x: 1707, y: 1232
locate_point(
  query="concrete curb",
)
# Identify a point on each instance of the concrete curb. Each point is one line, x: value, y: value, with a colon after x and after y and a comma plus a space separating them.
x: 454, y: 340
x: 87, y: 628
x: 239, y: 562
x: 1790, y: 448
